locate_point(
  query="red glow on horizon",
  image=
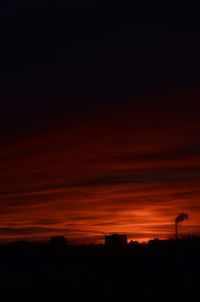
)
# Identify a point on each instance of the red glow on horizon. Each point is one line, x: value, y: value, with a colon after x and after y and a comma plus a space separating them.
x: 122, y: 170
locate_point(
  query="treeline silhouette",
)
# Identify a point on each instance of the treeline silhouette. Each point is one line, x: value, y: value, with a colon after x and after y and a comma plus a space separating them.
x: 161, y: 270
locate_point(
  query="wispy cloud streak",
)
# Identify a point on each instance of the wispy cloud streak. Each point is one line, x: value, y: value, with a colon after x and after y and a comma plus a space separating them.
x: 121, y: 169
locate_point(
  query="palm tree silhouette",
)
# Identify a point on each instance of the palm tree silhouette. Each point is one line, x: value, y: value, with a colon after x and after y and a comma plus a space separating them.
x: 181, y: 217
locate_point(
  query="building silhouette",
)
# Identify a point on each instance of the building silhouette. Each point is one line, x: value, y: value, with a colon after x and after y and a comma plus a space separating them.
x: 116, y: 240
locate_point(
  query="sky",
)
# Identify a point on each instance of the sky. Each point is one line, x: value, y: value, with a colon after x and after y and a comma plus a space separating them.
x: 99, y: 120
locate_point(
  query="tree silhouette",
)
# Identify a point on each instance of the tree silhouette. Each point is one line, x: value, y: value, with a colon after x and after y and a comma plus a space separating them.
x: 181, y: 217
x: 58, y: 242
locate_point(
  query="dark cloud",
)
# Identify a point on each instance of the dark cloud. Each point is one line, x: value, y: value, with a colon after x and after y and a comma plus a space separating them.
x: 59, y: 46
x: 27, y: 231
x: 99, y: 117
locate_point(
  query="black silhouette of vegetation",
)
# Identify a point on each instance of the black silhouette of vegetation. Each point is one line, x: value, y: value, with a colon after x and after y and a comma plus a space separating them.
x: 156, y: 271
x: 58, y: 242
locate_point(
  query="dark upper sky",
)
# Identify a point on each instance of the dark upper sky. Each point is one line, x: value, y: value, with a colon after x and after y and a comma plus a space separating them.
x: 99, y: 106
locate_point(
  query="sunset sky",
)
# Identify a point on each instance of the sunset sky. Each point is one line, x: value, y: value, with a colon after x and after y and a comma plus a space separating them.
x: 99, y: 120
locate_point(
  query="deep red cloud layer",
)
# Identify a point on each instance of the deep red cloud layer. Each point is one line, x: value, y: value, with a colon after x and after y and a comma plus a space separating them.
x: 128, y: 168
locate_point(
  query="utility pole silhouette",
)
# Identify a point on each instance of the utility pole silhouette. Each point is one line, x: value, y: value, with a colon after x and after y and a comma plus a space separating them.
x: 181, y: 217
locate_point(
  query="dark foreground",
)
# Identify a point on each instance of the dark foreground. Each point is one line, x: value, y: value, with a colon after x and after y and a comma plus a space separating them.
x: 160, y: 271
